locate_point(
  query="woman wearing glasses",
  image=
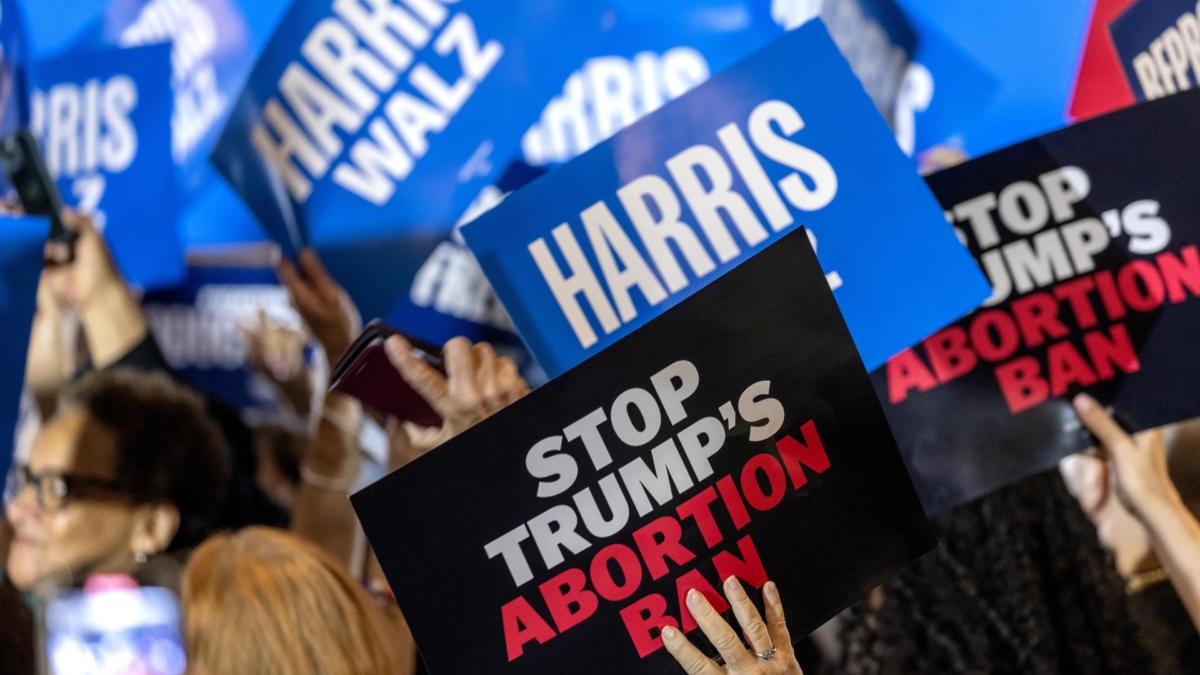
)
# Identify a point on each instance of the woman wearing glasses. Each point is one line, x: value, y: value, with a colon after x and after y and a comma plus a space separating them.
x: 128, y: 468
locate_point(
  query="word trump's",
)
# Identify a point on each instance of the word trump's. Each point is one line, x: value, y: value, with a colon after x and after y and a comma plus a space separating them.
x: 702, y: 178
x: 350, y: 72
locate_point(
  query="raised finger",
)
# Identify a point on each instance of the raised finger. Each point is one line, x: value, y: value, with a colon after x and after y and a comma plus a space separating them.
x: 461, y: 369
x: 423, y: 378
x: 748, y: 617
x: 487, y: 376
x: 302, y: 294
x: 314, y: 270
x: 776, y: 624
x: 727, y: 642
x: 513, y: 387
x: 693, y: 661
x: 1100, y: 423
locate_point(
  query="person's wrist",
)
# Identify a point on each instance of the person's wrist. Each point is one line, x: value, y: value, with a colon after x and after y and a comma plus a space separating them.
x: 1152, y: 506
x: 107, y: 295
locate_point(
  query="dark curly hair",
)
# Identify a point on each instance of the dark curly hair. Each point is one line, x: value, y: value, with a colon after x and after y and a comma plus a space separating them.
x: 1019, y: 585
x: 168, y: 449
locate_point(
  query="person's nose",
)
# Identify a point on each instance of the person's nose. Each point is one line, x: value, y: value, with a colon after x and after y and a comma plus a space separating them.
x: 23, y: 508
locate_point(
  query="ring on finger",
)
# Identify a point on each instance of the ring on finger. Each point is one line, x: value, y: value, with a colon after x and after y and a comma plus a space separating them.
x: 768, y: 655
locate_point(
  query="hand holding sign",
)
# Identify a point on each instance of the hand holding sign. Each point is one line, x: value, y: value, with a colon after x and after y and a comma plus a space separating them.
x: 322, y: 302
x: 476, y: 385
x: 1138, y: 463
x: 769, y: 640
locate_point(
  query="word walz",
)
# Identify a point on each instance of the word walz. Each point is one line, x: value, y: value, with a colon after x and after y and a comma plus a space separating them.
x: 301, y: 139
x: 702, y: 175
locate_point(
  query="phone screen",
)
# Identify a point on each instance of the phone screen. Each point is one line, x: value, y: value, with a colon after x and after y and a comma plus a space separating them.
x: 127, y: 631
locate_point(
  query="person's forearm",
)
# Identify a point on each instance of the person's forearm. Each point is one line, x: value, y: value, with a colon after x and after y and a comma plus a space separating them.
x: 114, y: 324
x: 1175, y: 534
x: 50, y: 362
x: 322, y: 513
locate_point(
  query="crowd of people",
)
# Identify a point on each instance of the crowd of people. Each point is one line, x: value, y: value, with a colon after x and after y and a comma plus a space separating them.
x: 125, y: 470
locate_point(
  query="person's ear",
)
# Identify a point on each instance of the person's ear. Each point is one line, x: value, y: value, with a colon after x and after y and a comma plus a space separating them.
x: 154, y: 528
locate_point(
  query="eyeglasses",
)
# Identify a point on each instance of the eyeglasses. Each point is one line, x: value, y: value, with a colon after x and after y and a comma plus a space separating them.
x: 52, y: 488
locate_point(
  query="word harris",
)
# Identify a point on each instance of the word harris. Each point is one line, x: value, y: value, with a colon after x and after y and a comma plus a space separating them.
x: 1055, y: 271
x: 303, y: 144
x: 617, y: 571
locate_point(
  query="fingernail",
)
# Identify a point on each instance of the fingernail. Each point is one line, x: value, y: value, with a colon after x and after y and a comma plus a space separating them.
x: 771, y: 593
x: 669, y: 634
x: 694, y: 598
x: 1084, y: 403
x: 395, y: 348
x: 733, y: 587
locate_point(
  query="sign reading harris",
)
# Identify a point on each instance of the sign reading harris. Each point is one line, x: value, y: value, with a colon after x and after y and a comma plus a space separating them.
x: 363, y: 119
x: 587, y: 254
x: 103, y: 119
x: 1093, y: 257
x: 1159, y: 45
x: 737, y: 434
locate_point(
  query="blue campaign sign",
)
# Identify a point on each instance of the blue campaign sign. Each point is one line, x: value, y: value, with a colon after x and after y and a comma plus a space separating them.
x: 103, y: 119
x: 657, y: 51
x: 1159, y: 45
x: 363, y: 120
x: 588, y: 253
x: 211, y: 57
x: 196, y: 326
x: 21, y: 244
x: 660, y: 49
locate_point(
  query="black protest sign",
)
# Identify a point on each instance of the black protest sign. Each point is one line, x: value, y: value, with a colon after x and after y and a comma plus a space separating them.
x: 1089, y: 236
x: 737, y: 434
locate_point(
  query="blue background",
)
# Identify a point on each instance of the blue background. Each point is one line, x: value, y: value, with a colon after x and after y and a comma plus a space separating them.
x: 905, y: 273
x: 1031, y: 45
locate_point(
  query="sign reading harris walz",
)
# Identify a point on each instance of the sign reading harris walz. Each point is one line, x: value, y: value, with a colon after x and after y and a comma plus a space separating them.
x: 1089, y: 236
x: 369, y: 118
x: 735, y: 435
x: 588, y: 253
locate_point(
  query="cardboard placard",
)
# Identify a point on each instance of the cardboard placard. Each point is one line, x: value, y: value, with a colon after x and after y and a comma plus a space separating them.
x: 103, y: 119
x: 587, y: 254
x: 368, y: 120
x: 736, y: 434
x: 1159, y: 45
x: 1090, y: 238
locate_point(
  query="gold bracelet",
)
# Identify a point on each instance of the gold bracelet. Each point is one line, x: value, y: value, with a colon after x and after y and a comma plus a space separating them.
x: 1140, y: 581
x: 321, y: 482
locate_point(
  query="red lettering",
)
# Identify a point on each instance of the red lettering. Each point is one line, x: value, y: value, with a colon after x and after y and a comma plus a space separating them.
x: 1131, y: 290
x: 1117, y: 351
x: 1022, y: 384
x: 659, y: 540
x: 697, y: 509
x: 521, y: 624
x: 1076, y: 292
x: 1110, y: 296
x: 905, y: 371
x: 994, y: 335
x: 809, y: 454
x: 733, y: 502
x: 1181, y: 272
x: 693, y: 580
x: 1066, y: 367
x: 1037, y: 317
x: 631, y: 572
x: 769, y: 467
x: 643, y: 619
x: 565, y: 591
x: 950, y: 355
x: 748, y: 568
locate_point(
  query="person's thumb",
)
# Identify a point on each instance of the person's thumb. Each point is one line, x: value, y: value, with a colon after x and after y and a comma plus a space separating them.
x: 1100, y: 423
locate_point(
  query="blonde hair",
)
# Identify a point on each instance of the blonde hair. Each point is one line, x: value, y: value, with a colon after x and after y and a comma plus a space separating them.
x: 262, y: 601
